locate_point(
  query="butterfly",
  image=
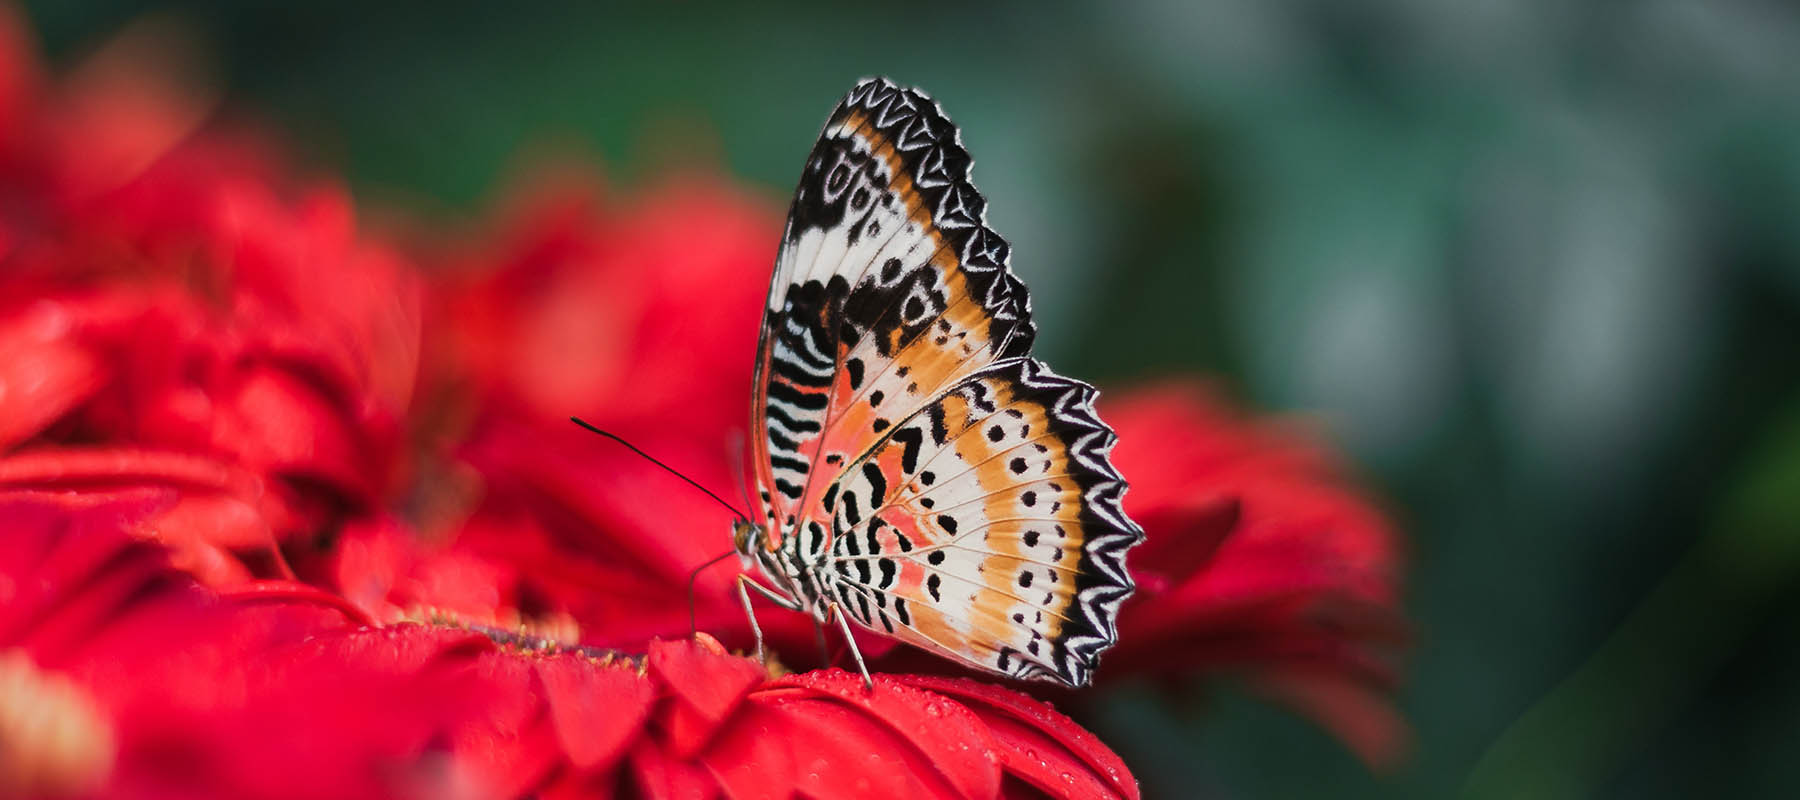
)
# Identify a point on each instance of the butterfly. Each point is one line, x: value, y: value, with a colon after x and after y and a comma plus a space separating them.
x: 915, y: 470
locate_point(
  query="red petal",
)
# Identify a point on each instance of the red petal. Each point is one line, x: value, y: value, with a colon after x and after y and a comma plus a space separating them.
x: 369, y: 558
x: 467, y: 586
x: 656, y: 775
x: 229, y: 511
x: 707, y: 683
x: 87, y: 467
x: 1037, y: 743
x: 949, y: 737
x: 1181, y: 541
x: 507, y: 747
x: 42, y: 374
x: 68, y: 566
x: 573, y: 785
x: 597, y: 710
x: 277, y: 421
x: 216, y: 520
x: 790, y: 742
x: 758, y: 756
x: 299, y: 594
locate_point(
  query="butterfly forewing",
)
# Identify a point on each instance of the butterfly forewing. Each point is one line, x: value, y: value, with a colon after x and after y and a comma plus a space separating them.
x: 888, y: 288
x: 937, y: 483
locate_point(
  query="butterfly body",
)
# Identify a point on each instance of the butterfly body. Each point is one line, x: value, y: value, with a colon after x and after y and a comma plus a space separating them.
x: 916, y: 471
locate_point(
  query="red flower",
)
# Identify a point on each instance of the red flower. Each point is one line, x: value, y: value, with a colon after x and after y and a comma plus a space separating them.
x: 155, y: 688
x: 170, y: 318
x: 690, y: 721
x: 121, y: 675
x: 1260, y: 558
x: 573, y: 303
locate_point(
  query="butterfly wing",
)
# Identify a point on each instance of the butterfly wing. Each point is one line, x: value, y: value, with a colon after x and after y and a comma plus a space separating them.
x: 986, y: 527
x: 957, y: 490
x: 889, y: 288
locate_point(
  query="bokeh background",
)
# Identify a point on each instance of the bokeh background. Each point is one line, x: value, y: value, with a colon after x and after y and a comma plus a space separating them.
x: 1535, y: 265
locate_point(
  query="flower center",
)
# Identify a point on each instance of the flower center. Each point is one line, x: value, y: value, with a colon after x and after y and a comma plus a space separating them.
x: 544, y: 638
x: 529, y: 642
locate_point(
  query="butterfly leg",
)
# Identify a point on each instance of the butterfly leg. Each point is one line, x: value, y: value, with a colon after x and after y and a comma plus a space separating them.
x: 819, y: 638
x: 775, y: 597
x: 843, y: 622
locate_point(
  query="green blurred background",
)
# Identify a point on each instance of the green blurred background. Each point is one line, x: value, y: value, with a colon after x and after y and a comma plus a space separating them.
x: 1534, y: 264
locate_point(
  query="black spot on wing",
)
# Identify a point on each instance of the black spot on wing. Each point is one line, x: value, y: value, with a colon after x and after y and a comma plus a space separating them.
x: 910, y: 439
x: 877, y: 484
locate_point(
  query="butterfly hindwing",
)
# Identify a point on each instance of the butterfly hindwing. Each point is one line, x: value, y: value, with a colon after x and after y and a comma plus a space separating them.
x: 986, y: 527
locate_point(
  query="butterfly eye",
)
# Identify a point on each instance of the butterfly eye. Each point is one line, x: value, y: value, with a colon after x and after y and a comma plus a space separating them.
x: 743, y: 535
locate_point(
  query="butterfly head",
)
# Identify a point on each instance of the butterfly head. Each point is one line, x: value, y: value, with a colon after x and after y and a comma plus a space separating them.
x: 746, y: 537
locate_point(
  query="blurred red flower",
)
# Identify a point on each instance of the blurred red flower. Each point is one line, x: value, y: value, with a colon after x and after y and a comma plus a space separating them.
x: 169, y: 317
x: 123, y: 678
x: 1260, y: 558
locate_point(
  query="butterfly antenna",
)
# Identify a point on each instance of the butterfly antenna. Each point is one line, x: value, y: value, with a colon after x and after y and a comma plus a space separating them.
x: 671, y: 470
x: 694, y: 576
